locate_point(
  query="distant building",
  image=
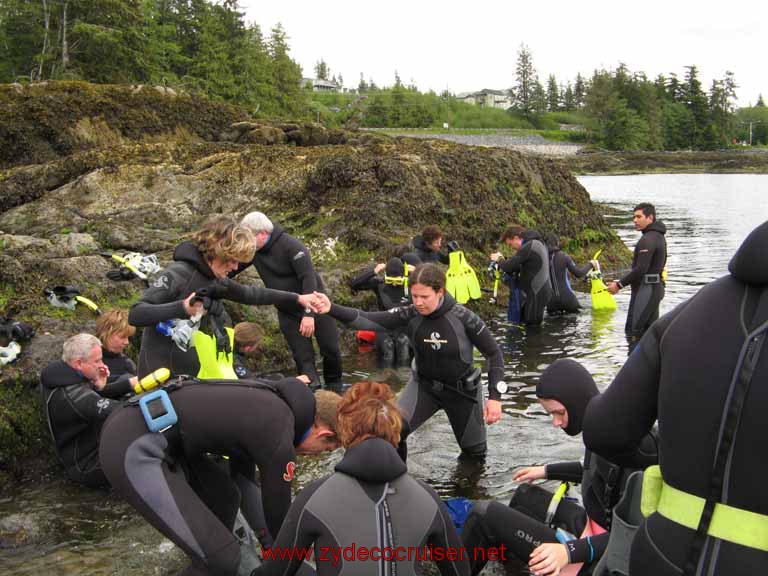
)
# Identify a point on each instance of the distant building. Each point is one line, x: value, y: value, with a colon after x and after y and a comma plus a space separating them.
x: 487, y: 98
x: 319, y: 85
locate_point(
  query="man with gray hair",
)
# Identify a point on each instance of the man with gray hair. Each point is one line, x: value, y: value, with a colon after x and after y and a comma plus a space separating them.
x: 284, y: 263
x: 76, y: 402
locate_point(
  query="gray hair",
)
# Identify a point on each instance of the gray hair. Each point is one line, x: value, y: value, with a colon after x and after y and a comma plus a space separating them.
x: 257, y: 222
x: 79, y: 347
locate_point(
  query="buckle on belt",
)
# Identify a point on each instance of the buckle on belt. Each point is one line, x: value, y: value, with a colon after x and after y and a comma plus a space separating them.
x: 652, y: 278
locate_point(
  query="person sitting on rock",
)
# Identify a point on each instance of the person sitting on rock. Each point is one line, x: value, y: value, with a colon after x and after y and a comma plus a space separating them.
x: 114, y: 332
x: 76, y: 403
x: 427, y: 245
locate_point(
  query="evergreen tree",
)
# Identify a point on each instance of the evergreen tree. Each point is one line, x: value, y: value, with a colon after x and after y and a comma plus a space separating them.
x: 526, y: 80
x: 362, y: 86
x: 538, y: 101
x: 579, y: 91
x: 286, y: 74
x: 322, y: 72
x: 569, y: 99
x: 553, y: 94
x: 696, y: 102
x: 760, y: 102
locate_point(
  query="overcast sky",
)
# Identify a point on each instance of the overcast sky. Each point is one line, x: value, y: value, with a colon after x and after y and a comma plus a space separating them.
x: 470, y: 45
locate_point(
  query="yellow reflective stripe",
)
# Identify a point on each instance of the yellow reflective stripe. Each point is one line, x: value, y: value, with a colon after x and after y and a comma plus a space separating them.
x: 729, y: 523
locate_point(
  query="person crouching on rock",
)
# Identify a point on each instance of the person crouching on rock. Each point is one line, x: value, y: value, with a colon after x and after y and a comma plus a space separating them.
x: 114, y: 332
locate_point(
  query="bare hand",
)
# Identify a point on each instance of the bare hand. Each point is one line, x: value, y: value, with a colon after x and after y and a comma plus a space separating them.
x: 410, y: 268
x: 595, y: 264
x: 307, y: 326
x: 101, y: 378
x: 195, y: 309
x: 496, y: 256
x: 322, y: 302
x: 308, y: 301
x: 379, y: 268
x: 492, y: 411
x: 613, y: 287
x: 530, y: 473
x: 304, y: 378
x: 549, y: 558
x: 133, y: 381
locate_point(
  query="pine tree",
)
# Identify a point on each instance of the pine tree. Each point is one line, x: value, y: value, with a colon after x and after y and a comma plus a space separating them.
x: 526, y: 80
x: 569, y: 99
x: 322, y: 72
x: 760, y: 101
x: 579, y: 91
x: 553, y: 94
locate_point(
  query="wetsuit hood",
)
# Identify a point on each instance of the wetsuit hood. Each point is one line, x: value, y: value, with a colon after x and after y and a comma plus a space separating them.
x: 531, y: 235
x: 373, y: 460
x: 411, y: 258
x: 394, y: 267
x: 277, y: 231
x: 572, y: 385
x: 189, y: 253
x: 552, y: 243
x: 59, y: 374
x: 420, y: 244
x: 301, y: 401
x: 750, y: 263
x: 448, y: 303
x: 656, y: 226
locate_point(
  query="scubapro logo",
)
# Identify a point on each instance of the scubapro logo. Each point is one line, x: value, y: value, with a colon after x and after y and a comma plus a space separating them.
x: 435, y: 341
x: 290, y: 469
x: 161, y: 282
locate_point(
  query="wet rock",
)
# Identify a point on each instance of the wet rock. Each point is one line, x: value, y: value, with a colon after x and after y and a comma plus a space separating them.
x: 75, y: 243
x: 18, y: 530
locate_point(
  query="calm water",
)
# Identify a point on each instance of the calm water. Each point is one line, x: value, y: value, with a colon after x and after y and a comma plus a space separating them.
x: 71, y: 530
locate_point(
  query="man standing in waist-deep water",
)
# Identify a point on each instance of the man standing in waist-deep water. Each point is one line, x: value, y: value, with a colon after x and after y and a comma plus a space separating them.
x: 645, y: 278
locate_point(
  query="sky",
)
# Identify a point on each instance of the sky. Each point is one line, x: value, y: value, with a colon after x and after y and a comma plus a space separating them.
x: 471, y: 45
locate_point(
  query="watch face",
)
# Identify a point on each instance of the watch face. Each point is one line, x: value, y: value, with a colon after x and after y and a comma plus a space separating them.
x: 501, y: 387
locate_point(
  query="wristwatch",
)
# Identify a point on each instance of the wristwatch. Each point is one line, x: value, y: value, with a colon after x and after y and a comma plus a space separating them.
x: 307, y: 310
x: 501, y: 387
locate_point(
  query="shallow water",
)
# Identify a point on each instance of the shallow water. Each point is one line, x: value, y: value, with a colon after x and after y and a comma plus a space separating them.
x: 72, y: 530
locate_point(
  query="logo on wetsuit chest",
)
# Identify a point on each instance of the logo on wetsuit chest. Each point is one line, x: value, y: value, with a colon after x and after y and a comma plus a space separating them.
x: 435, y: 341
x: 290, y: 469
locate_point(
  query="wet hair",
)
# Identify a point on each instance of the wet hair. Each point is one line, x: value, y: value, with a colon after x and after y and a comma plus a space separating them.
x: 431, y: 233
x: 258, y: 222
x: 222, y: 237
x: 647, y: 208
x: 553, y: 242
x: 326, y: 406
x: 248, y: 334
x: 114, y: 321
x: 79, y: 347
x: 368, y: 410
x: 512, y: 231
x: 428, y: 275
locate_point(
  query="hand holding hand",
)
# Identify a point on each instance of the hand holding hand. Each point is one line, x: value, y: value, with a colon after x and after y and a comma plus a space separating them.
x: 492, y: 411
x: 549, y: 558
x: 322, y: 302
x: 308, y: 301
x: 307, y: 326
x: 530, y: 473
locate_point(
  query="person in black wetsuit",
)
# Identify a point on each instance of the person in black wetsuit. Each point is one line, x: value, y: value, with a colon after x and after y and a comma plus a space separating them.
x: 565, y: 389
x: 692, y: 371
x: 563, y: 300
x: 214, y: 251
x: 76, y: 401
x: 427, y: 245
x: 114, y: 332
x: 370, y: 502
x: 248, y: 338
x: 170, y: 479
x: 391, y: 291
x: 645, y: 278
x: 284, y: 263
x: 531, y: 263
x: 443, y: 335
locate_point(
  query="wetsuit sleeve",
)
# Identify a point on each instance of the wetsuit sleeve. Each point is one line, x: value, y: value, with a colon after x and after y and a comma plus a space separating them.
x: 587, y: 550
x: 484, y: 341
x: 565, y: 471
x: 89, y: 404
x: 378, y: 321
x: 367, y: 280
x: 276, y: 474
x: 443, y: 258
x: 578, y: 272
x: 513, y: 264
x: 295, y: 534
x: 617, y: 420
x: 118, y: 387
x: 256, y: 296
x: 302, y: 267
x: 443, y: 536
x: 159, y: 302
x: 645, y: 249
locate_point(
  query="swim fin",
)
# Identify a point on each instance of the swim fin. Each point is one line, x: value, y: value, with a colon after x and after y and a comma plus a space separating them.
x: 460, y: 279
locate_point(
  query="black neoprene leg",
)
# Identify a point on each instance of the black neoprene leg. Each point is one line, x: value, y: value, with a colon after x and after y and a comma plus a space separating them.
x: 327, y: 335
x: 301, y: 347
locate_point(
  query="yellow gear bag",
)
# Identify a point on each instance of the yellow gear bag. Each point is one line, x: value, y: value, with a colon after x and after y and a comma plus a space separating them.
x: 601, y: 298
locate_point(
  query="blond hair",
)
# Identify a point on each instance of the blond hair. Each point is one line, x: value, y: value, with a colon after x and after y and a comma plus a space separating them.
x: 248, y: 334
x: 222, y: 237
x: 326, y: 403
x: 114, y: 321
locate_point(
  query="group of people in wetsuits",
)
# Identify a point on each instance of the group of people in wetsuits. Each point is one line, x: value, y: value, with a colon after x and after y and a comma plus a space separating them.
x: 190, y: 478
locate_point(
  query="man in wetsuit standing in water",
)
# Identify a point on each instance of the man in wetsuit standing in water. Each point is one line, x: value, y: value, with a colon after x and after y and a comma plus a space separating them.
x: 645, y: 278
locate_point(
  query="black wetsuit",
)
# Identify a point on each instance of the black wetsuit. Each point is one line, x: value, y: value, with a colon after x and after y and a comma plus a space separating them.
x: 284, y: 263
x: 171, y: 480
x: 426, y: 254
x: 444, y: 375
x: 164, y: 300
x: 75, y: 413
x: 532, y: 264
x: 121, y: 368
x: 521, y: 526
x: 645, y: 279
x: 682, y: 373
x: 370, y: 502
x: 563, y: 300
x: 394, y: 344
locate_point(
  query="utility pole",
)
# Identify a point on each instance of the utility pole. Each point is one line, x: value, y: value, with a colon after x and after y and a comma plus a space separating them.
x: 751, y: 122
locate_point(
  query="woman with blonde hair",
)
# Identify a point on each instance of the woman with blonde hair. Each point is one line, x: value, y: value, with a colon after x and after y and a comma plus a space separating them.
x: 370, y: 506
x: 114, y: 332
x: 167, y: 306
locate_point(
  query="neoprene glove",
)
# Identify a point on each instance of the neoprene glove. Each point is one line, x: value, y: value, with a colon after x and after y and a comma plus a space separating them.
x: 453, y: 246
